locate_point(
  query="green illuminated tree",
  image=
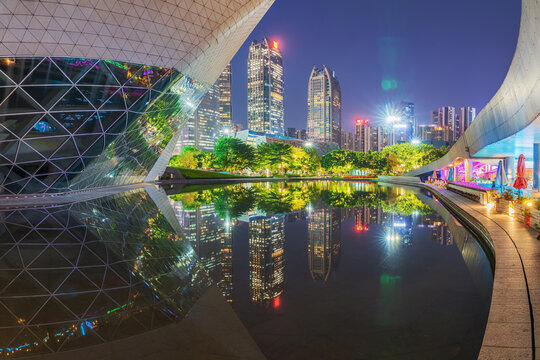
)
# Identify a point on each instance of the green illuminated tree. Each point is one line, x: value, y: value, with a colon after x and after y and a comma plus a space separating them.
x: 187, y: 158
x: 233, y: 155
x: 275, y: 156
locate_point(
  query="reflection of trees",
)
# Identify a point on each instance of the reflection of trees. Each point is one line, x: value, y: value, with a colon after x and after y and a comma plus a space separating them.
x: 406, y: 204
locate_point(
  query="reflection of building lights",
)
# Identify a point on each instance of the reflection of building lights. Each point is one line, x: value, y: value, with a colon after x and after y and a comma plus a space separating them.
x: 277, y: 302
x: 399, y: 224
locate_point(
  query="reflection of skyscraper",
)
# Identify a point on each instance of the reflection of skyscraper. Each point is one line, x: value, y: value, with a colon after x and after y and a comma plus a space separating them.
x: 361, y: 218
x: 266, y: 241
x: 265, y: 88
x: 438, y: 228
x: 324, y: 247
x: 211, y: 238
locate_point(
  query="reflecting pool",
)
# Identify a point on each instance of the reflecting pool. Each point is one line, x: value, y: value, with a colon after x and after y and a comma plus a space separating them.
x: 324, y: 270
x: 303, y: 270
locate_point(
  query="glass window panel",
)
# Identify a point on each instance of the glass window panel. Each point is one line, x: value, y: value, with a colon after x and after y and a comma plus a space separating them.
x: 9, y: 149
x: 46, y: 127
x: 84, y: 141
x: 97, y: 148
x: 142, y: 103
x: 61, y: 183
x: 66, y: 150
x: 91, y: 125
x: 47, y: 168
x: 77, y: 167
x: 16, y: 187
x: 165, y: 82
x: 114, y: 102
x: 124, y: 72
x: 72, y: 120
x: 46, y: 73
x: 34, y: 186
x: 98, y: 95
x: 5, y: 81
x: 108, y: 118
x: 46, y: 96
x: 5, y: 134
x: 98, y: 74
x: 18, y: 68
x: 47, y: 146
x: 19, y: 124
x: 26, y: 153
x: 63, y: 164
x: 88, y: 160
x: 73, y: 100
x: 48, y: 179
x: 32, y: 167
x: 74, y: 68
x: 4, y: 160
x: 133, y: 94
x: 4, y: 171
x: 119, y: 126
x: 16, y: 174
x: 19, y: 102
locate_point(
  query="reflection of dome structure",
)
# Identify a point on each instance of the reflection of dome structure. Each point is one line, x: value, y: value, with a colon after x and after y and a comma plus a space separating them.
x: 96, y: 93
x: 85, y: 274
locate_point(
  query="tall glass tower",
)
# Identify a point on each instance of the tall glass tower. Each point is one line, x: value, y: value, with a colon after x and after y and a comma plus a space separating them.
x: 324, y: 106
x: 225, y: 102
x: 265, y: 88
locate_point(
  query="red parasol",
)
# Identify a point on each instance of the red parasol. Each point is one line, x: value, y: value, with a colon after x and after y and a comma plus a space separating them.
x: 521, y: 182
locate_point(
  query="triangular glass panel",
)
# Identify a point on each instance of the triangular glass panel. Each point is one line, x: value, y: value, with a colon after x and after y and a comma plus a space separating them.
x: 46, y: 127
x: 18, y: 68
x: 70, y: 252
x: 141, y: 104
x: 5, y: 134
x: 88, y: 339
x: 78, y: 303
x: 63, y: 164
x: 4, y: 171
x: 19, y: 124
x: 133, y: 94
x: 33, y: 237
x: 77, y: 281
x: 32, y: 167
x: 46, y: 73
x: 66, y: 150
x: 98, y: 95
x: 48, y: 179
x: 19, y: 102
x: 85, y: 141
x: 74, y: 68
x: 50, y: 258
x: 96, y: 149
x: 16, y: 174
x: 8, y: 149
x: 25, y: 285
x: 88, y: 258
x: 67, y: 238
x: 46, y: 146
x: 72, y: 120
x: 26, y: 153
x: 47, y: 168
x: 61, y: 183
x: 30, y: 252
x: 109, y: 117
x: 77, y: 167
x: 90, y: 126
x: 154, y: 74
x: 95, y: 273
x: 46, y: 96
x: 5, y: 92
x: 6, y: 317
x: 128, y: 326
x: 27, y: 337
x: 16, y: 187
x: 119, y: 126
x: 73, y: 100
x: 112, y: 280
x: 50, y: 222
x: 25, y: 307
x: 125, y: 73
x: 99, y: 74
x: 114, y: 102
x: 52, y: 311
x: 11, y: 258
x: 34, y: 186
x: 51, y: 279
x: 5, y: 81
x: 52, y: 334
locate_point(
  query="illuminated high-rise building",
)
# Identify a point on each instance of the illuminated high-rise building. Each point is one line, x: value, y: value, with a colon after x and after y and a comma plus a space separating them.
x: 324, y: 107
x: 347, y: 140
x: 202, y: 129
x: 265, y: 88
x: 266, y: 260
x: 324, y: 242
x: 464, y: 118
x: 445, y: 117
x: 361, y: 136
x: 211, y: 238
x: 225, y: 101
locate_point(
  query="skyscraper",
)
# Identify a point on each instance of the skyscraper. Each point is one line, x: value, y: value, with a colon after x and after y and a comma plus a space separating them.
x: 361, y: 135
x: 225, y: 102
x: 265, y: 88
x: 324, y: 106
x: 406, y: 110
x: 445, y: 117
x: 202, y: 129
x: 347, y: 140
x: 466, y: 116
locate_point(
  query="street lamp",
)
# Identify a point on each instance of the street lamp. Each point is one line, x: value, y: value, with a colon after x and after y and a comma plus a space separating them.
x: 416, y: 141
x: 308, y: 144
x: 393, y: 119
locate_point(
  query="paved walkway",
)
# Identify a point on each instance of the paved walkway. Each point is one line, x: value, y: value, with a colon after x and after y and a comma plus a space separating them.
x: 511, y: 332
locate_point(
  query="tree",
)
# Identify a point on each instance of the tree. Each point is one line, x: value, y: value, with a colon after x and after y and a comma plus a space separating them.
x: 205, y: 160
x: 233, y: 155
x: 187, y: 158
x: 275, y: 156
x: 339, y: 161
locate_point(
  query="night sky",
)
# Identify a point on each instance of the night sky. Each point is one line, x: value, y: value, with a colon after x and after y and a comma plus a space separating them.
x: 431, y: 52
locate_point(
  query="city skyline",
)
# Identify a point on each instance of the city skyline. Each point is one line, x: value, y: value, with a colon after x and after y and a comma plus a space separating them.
x: 393, y: 52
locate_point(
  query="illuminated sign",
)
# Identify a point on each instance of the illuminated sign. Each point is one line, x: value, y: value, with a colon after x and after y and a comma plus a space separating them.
x: 275, y: 44
x: 360, y: 121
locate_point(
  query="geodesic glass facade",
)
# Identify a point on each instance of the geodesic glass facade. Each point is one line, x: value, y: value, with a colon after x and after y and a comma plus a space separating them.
x: 72, y: 123
x: 88, y: 273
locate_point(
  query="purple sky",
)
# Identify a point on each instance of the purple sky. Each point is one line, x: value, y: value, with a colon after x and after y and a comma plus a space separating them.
x: 435, y: 52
